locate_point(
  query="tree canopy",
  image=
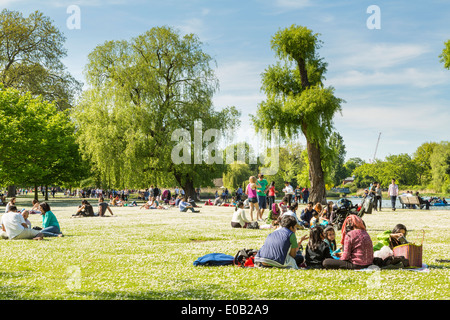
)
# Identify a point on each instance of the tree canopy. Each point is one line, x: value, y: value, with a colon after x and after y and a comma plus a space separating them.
x: 140, y: 92
x: 37, y: 142
x: 297, y: 102
x: 31, y: 50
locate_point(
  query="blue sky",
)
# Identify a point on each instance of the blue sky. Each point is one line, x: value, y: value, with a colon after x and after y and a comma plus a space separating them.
x: 391, y: 78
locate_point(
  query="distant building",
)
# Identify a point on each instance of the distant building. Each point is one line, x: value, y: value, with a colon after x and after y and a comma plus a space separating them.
x: 348, y: 180
x: 218, y: 182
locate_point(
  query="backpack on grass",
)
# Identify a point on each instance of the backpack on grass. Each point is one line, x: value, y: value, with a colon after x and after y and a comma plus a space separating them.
x: 245, y: 258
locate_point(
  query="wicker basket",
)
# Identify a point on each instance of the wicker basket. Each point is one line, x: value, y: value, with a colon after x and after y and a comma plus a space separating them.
x: 412, y: 252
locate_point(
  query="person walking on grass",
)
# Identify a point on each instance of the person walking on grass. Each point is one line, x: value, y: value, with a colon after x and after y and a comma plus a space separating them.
x: 393, y: 193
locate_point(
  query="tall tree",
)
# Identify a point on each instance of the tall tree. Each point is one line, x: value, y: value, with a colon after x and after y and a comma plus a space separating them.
x: 31, y: 50
x: 37, y: 142
x: 297, y: 101
x: 142, y: 91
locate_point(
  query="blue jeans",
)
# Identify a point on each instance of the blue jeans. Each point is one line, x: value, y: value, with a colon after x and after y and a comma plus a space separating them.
x: 52, y: 231
x: 393, y: 199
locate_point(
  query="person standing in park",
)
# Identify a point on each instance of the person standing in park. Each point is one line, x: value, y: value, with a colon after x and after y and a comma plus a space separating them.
x: 261, y: 194
x: 288, y: 192
x: 378, y: 197
x: 251, y: 191
x: 393, y: 193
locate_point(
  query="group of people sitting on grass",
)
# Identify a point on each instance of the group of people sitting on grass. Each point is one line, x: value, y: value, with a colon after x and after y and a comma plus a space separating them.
x: 87, y: 210
x: 16, y: 225
x: 357, y: 251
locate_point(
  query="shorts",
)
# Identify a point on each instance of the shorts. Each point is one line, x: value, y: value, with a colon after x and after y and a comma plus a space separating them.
x: 262, y: 202
x: 253, y: 200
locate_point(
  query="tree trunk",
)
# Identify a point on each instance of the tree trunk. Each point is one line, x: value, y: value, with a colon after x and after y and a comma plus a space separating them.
x: 36, y: 196
x: 189, y: 190
x: 316, y: 176
x: 11, y: 191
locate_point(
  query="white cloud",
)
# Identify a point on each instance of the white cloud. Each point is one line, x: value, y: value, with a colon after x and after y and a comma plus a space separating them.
x: 293, y: 4
x: 407, y: 76
x: 378, y: 56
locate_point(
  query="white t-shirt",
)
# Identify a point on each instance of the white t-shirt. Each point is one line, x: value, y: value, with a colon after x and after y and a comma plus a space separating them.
x: 239, y: 217
x: 13, y: 223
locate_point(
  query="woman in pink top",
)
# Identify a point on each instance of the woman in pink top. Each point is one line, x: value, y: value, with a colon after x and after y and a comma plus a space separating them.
x: 358, y: 247
x: 271, y: 195
x: 250, y: 191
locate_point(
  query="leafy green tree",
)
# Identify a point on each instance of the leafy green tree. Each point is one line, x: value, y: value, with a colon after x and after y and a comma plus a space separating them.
x: 422, y: 158
x: 440, y: 166
x: 37, y: 142
x: 142, y: 91
x: 445, y: 55
x: 336, y: 160
x: 297, y: 102
x: 31, y: 50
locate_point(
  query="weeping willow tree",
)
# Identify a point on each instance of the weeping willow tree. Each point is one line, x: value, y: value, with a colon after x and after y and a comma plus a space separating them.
x: 140, y: 92
x: 297, y: 101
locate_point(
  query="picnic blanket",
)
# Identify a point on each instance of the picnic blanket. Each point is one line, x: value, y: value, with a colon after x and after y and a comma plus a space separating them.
x: 424, y: 268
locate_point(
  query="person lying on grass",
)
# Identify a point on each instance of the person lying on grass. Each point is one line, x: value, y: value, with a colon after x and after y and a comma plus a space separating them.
x: 14, y: 226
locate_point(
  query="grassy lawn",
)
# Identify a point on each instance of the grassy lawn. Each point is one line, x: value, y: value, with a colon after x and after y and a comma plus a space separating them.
x: 149, y: 254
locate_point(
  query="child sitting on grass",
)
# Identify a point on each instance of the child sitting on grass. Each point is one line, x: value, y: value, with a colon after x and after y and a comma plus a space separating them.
x: 317, y: 250
x: 330, y: 238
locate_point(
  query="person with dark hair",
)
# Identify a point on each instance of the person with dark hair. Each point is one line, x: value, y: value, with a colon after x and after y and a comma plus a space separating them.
x: 329, y: 236
x: 84, y: 210
x: 317, y: 250
x: 271, y: 194
x: 393, y: 193
x: 15, y: 227
x: 102, y: 207
x: 392, y: 238
x: 307, y: 214
x: 280, y: 248
x: 357, y: 252
x: 184, y: 206
x: 50, y: 225
x: 11, y: 202
x: 239, y: 220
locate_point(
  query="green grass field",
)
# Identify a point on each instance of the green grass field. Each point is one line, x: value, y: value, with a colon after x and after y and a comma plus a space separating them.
x: 149, y: 254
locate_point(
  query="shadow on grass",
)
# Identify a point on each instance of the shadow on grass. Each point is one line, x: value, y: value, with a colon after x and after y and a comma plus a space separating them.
x: 185, y: 294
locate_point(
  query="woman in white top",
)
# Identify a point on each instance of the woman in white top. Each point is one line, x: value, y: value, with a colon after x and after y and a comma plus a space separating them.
x: 239, y: 219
